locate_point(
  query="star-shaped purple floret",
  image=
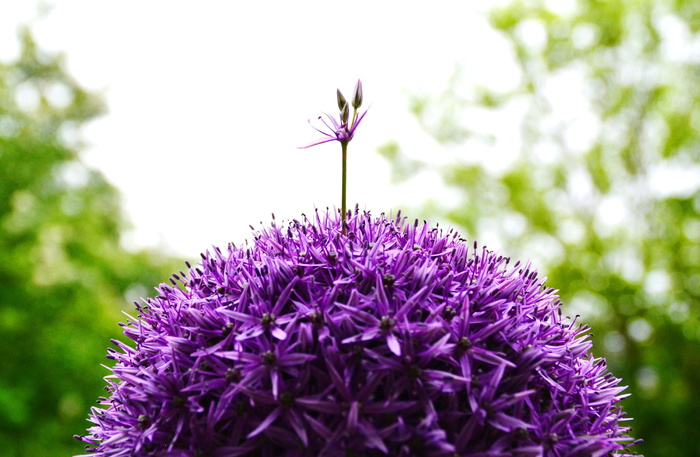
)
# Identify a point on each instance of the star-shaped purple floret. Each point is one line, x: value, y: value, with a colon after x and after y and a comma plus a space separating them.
x: 342, y: 129
x: 336, y: 130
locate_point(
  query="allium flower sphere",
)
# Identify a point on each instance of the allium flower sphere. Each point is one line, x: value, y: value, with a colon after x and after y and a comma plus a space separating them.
x: 388, y: 338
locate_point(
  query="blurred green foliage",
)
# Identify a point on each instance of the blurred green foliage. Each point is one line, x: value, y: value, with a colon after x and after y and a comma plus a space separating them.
x: 605, y: 192
x: 64, y: 275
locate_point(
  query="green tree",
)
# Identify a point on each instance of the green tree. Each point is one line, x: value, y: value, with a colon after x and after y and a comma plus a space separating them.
x: 605, y: 191
x: 65, y: 276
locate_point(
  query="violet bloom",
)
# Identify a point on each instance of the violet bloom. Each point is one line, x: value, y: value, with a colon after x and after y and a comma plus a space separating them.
x: 393, y: 339
x: 343, y: 128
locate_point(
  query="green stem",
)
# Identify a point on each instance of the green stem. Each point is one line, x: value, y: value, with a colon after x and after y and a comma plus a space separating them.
x: 343, y: 207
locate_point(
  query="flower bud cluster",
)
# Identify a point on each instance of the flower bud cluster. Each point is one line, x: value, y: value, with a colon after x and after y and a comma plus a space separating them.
x: 343, y: 129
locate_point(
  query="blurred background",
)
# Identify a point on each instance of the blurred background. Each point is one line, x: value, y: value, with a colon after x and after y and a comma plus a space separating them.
x: 134, y: 135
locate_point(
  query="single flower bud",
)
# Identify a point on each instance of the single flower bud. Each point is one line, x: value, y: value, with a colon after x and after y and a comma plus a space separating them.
x: 357, y: 95
x: 345, y: 114
x: 341, y: 101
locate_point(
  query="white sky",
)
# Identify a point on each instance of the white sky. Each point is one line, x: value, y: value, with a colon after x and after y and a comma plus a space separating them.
x: 208, y: 103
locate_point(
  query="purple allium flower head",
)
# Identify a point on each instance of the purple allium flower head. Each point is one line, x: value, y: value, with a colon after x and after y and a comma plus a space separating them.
x: 394, y: 338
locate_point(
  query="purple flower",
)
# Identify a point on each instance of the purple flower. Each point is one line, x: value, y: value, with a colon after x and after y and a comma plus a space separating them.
x: 343, y: 128
x: 394, y: 338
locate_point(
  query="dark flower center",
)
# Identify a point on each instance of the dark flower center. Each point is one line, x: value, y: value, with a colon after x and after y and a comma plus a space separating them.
x: 144, y: 421
x: 551, y: 440
x: 414, y: 371
x: 389, y: 280
x: 268, y: 319
x: 233, y: 375
x: 464, y: 343
x: 448, y: 313
x: 316, y: 318
x: 287, y: 400
x: 269, y: 358
x: 386, y: 324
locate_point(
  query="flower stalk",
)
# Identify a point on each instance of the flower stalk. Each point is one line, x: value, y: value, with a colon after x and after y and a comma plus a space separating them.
x: 343, y: 131
x: 344, y: 183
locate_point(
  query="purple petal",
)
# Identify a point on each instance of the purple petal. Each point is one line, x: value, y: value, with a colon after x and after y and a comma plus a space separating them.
x: 393, y: 343
x: 272, y: 417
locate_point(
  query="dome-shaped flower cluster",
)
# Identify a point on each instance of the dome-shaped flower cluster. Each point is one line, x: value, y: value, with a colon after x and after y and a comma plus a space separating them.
x: 394, y: 338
